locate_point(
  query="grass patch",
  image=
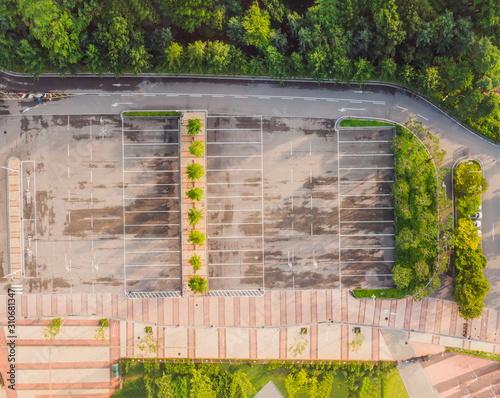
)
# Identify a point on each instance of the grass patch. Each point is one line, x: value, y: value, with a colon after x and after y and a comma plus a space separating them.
x: 162, y: 113
x: 392, y: 385
x: 379, y: 293
x: 363, y: 123
x: 481, y: 354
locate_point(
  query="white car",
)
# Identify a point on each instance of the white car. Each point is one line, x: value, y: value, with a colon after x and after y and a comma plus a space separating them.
x: 477, y: 223
x: 477, y: 216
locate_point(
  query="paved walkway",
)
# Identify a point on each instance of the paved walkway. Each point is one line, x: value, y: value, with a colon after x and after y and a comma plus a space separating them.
x: 267, y: 327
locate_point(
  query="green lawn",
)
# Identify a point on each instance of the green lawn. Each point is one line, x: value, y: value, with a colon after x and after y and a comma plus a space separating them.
x: 392, y: 386
x: 379, y: 293
x: 362, y: 123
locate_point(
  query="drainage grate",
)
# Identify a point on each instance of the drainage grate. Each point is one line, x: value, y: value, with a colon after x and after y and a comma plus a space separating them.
x: 141, y: 295
x: 236, y: 293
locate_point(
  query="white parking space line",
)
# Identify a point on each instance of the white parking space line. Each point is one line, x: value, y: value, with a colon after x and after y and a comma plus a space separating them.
x: 151, y: 171
x: 235, y: 170
x: 235, y: 223
x: 364, y: 194
x: 224, y: 264
x: 177, y: 238
x: 365, y: 168
x: 363, y: 141
x: 362, y: 182
x: 126, y: 131
x: 153, y: 265
x: 253, y: 210
x: 368, y: 248
x: 151, y: 211
x: 153, y: 251
x: 373, y: 261
x: 366, y: 154
x: 419, y: 115
x: 234, y: 237
x: 232, y: 142
x: 366, y: 208
x: 235, y: 129
x: 400, y: 107
x: 235, y: 250
x: 147, y: 198
x: 150, y: 157
x: 234, y: 156
x: 233, y: 183
x: 233, y: 197
x: 150, y: 225
x: 149, y: 185
x: 355, y: 222
x: 151, y: 143
x: 368, y: 235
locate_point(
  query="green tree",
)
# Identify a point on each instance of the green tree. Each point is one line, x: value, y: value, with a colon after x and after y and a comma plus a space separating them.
x: 402, y: 276
x: 197, y: 148
x: 387, y: 69
x: 172, y: 58
x: 196, y: 237
x: 257, y: 26
x: 195, y: 172
x: 196, y: 55
x: 469, y: 292
x: 364, y: 71
x: 389, y: 27
x: 52, y: 329
x: 194, y: 127
x: 189, y: 14
x: 198, y: 284
x: 195, y: 216
x: 466, y: 237
x: 218, y: 59
x: 195, y: 194
x: 195, y: 261
x: 469, y: 180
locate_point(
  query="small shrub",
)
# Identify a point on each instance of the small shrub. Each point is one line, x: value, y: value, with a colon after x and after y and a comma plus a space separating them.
x: 100, y: 332
x: 195, y: 261
x: 196, y: 237
x: 195, y: 194
x: 198, y: 284
x: 356, y: 342
x: 197, y: 148
x: 149, y: 344
x: 195, y: 172
x: 194, y: 127
x: 195, y: 216
x: 52, y: 329
x: 148, y: 329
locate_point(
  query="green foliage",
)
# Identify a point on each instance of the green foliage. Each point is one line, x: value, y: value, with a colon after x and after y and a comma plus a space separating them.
x: 469, y: 285
x: 443, y: 49
x: 379, y: 293
x: 480, y: 354
x: 257, y: 26
x: 418, y: 197
x: 298, y: 346
x: 149, y: 344
x: 195, y: 194
x: 362, y: 123
x: 198, y: 284
x: 52, y: 329
x: 195, y: 261
x: 195, y: 216
x: 195, y: 172
x: 100, y: 332
x: 197, y: 148
x: 196, y: 237
x: 194, y: 127
x: 356, y: 342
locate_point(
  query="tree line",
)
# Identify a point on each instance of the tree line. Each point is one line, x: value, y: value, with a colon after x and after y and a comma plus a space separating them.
x: 446, y: 49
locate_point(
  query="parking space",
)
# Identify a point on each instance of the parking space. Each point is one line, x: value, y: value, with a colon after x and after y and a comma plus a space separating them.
x: 301, y: 203
x: 151, y: 164
x: 235, y: 240
x: 366, y: 207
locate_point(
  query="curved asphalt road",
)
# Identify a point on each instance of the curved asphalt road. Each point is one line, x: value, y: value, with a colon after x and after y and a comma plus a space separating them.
x: 302, y: 99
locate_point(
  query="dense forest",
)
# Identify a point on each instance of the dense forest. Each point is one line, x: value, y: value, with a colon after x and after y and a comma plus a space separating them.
x: 445, y: 49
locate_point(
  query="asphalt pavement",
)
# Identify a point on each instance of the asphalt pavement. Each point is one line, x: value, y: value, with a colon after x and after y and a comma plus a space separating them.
x: 254, y: 97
